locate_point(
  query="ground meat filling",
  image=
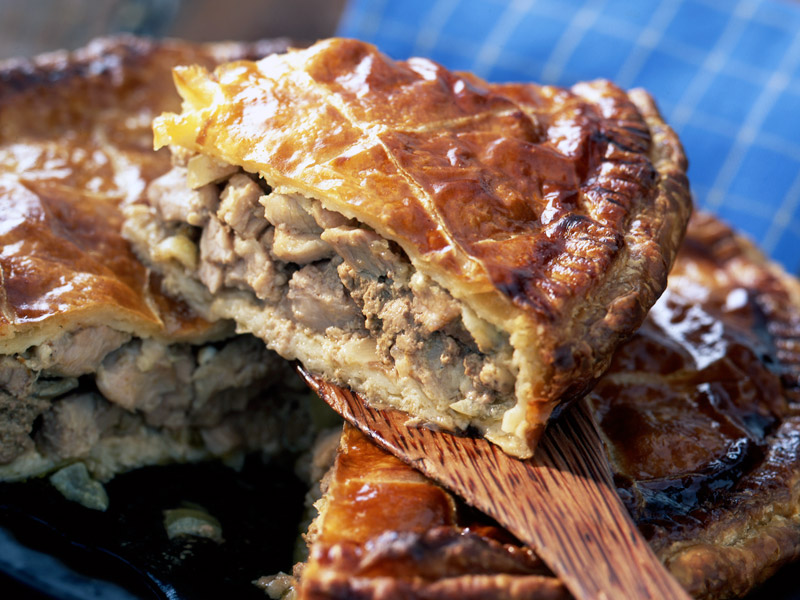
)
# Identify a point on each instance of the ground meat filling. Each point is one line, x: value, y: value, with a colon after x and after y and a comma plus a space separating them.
x: 62, y: 396
x: 335, y: 276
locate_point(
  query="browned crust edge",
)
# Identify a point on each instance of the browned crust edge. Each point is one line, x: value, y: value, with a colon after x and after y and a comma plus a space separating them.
x: 336, y: 586
x: 651, y: 248
x: 761, y: 532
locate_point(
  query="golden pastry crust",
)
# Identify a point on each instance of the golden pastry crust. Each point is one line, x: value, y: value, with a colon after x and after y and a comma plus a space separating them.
x: 385, y: 531
x: 700, y: 412
x: 75, y: 140
x: 553, y: 214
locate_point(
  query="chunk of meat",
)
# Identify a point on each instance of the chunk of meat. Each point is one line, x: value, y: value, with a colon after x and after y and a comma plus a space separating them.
x: 263, y: 424
x: 433, y: 307
x: 224, y: 379
x: 239, y: 207
x: 173, y: 389
x: 413, y: 321
x: 18, y: 408
x: 23, y: 398
x: 149, y: 377
x: 318, y: 299
x: 78, y: 352
x: 15, y: 378
x: 74, y: 425
x: 216, y: 250
x: 227, y: 259
x: 211, y: 275
x: 16, y: 421
x: 289, y: 210
x: 298, y: 247
x: 177, y: 201
x: 254, y: 270
x: 297, y: 234
x: 325, y: 218
x: 216, y: 243
x: 368, y: 253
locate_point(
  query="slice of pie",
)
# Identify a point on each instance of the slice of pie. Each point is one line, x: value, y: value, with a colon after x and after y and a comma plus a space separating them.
x: 96, y: 363
x: 700, y: 412
x: 468, y: 253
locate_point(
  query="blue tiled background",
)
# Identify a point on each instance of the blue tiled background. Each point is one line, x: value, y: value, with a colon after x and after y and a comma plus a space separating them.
x: 726, y: 75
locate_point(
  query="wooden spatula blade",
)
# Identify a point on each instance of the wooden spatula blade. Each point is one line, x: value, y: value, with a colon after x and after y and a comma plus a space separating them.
x: 562, y: 502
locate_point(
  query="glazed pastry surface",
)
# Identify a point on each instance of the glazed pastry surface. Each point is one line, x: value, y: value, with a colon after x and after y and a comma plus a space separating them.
x: 75, y: 141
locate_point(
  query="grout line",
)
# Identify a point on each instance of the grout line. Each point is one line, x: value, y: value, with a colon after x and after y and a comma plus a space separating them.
x: 713, y: 63
x: 430, y: 32
x: 646, y: 41
x: 782, y: 218
x: 752, y: 123
x: 370, y: 20
x: 581, y: 22
x: 493, y: 45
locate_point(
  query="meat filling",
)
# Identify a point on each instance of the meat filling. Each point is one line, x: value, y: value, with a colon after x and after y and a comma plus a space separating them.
x: 60, y: 398
x: 336, y: 279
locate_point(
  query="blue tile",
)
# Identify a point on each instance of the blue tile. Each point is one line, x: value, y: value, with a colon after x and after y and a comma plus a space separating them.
x: 536, y: 35
x: 762, y: 45
x: 473, y: 20
x: 596, y: 55
x: 411, y: 12
x: 765, y: 176
x: 782, y: 14
x: 697, y: 25
x: 753, y: 223
x: 638, y: 12
x: 398, y: 47
x: 783, y: 119
x: 392, y: 37
x: 502, y: 71
x: 706, y: 151
x: 456, y: 56
x: 666, y: 77
x: 730, y: 98
x: 351, y: 23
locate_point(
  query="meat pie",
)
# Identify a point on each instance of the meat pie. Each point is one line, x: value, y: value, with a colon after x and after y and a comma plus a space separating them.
x: 97, y: 364
x: 466, y: 252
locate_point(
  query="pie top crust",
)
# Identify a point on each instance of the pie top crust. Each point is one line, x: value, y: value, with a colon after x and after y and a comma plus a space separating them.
x: 75, y: 140
x: 387, y: 531
x: 554, y: 214
x: 700, y: 413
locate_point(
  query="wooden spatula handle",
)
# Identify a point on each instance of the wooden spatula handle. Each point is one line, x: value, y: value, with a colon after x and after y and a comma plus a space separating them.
x: 562, y: 502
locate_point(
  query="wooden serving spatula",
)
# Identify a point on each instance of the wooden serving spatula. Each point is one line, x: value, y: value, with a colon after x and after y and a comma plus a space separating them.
x: 562, y: 502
